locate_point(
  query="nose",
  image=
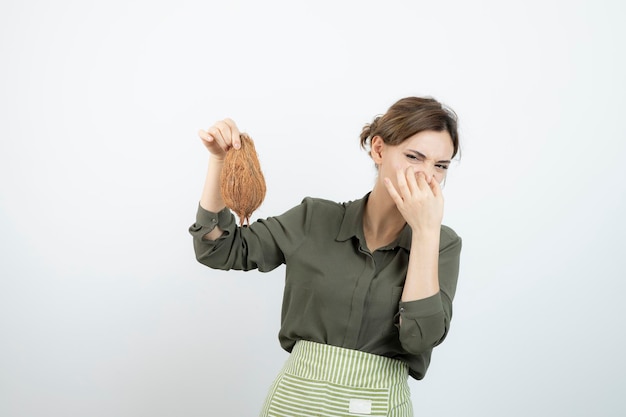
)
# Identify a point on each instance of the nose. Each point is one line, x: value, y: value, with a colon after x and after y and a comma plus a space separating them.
x: 428, y: 170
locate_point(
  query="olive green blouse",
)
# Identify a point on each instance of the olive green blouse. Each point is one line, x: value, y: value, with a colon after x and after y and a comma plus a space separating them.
x: 336, y: 291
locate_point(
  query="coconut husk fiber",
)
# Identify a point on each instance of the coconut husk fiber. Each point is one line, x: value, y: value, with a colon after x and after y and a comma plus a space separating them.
x: 241, y: 182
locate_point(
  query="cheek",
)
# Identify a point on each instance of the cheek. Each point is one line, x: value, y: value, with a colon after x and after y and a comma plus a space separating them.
x: 391, y: 167
x: 398, y: 164
x: 440, y: 176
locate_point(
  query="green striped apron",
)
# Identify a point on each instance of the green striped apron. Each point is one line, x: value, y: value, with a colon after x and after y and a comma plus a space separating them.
x: 330, y: 381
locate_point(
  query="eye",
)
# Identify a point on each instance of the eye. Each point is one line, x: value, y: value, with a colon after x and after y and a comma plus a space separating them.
x: 441, y: 166
x: 413, y: 157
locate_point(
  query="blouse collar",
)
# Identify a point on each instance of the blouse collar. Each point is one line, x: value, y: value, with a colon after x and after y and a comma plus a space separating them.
x: 352, y: 224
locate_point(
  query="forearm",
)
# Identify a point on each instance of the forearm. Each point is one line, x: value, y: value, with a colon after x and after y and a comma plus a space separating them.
x: 211, y: 198
x: 422, y: 278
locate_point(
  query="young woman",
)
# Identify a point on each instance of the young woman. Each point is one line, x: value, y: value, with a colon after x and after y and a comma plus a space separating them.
x: 369, y: 283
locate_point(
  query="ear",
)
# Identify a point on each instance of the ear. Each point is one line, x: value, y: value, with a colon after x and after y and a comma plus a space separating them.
x: 377, y: 145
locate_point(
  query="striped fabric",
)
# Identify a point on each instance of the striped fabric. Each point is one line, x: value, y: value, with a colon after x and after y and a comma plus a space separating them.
x: 329, y: 381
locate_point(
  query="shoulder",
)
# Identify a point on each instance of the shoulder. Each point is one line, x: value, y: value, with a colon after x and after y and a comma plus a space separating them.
x: 448, y: 237
x: 327, y: 212
x: 324, y: 205
x: 311, y: 207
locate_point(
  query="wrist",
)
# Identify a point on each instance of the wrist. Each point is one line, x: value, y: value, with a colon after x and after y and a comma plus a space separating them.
x: 425, y: 236
x: 216, y: 159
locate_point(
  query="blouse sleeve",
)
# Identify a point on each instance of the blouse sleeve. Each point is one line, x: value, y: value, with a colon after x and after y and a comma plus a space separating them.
x: 425, y: 322
x: 263, y: 245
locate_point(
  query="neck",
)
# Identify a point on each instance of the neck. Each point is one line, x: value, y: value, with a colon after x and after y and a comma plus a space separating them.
x: 382, y: 222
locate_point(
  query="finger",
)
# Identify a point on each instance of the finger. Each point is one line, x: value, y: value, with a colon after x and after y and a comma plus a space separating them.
x: 235, y: 134
x: 220, y: 137
x: 411, y: 180
x: 422, y: 183
x: 224, y: 132
x: 403, y: 188
x: 436, y: 188
x: 393, y: 193
x: 205, y: 136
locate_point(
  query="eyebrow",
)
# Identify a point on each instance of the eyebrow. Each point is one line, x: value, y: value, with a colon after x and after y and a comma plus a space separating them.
x: 421, y: 155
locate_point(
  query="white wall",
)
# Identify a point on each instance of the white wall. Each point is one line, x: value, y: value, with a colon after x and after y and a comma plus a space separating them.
x: 103, y: 308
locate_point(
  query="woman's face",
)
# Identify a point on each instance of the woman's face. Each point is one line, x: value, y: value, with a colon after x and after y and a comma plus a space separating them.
x: 429, y: 152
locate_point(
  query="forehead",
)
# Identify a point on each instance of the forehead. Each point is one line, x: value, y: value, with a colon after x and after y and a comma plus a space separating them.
x: 433, y: 144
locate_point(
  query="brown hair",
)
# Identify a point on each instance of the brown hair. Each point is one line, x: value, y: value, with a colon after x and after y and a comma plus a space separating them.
x: 409, y: 116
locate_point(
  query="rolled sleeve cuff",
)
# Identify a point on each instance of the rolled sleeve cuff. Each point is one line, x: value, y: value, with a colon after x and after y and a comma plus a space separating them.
x: 426, y: 307
x: 423, y: 324
x: 208, y: 220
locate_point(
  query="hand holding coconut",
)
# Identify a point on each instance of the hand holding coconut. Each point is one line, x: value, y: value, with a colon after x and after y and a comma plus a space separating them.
x: 234, y: 179
x: 220, y: 138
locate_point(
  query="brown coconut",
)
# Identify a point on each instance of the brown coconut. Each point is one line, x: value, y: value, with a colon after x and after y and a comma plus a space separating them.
x: 241, y: 182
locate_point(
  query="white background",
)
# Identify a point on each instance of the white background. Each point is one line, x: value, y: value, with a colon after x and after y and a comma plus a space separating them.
x: 104, y: 310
